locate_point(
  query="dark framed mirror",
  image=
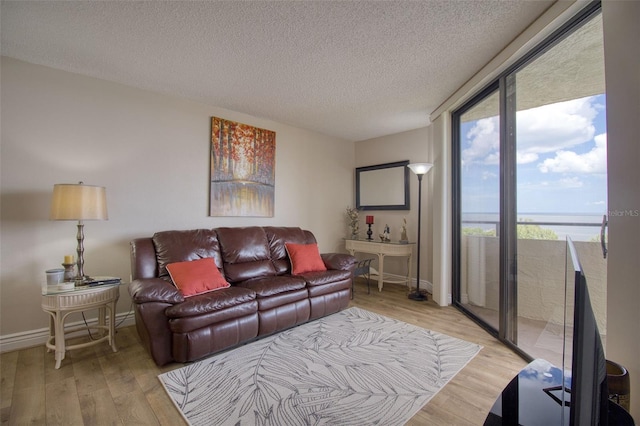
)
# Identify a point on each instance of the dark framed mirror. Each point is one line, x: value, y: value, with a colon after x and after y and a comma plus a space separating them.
x: 383, y: 186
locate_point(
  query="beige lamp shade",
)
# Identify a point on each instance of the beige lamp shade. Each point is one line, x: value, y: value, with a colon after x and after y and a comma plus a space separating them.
x: 78, y: 202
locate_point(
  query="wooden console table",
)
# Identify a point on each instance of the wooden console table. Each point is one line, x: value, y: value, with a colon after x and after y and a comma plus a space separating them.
x: 382, y: 250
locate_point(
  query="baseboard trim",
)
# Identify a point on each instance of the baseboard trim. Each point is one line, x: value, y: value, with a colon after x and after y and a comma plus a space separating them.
x: 31, y: 338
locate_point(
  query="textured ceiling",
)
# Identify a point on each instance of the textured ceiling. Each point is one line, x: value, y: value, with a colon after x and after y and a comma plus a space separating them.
x: 350, y: 69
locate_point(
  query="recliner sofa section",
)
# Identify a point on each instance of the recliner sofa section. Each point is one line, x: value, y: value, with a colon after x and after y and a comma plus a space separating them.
x: 264, y: 296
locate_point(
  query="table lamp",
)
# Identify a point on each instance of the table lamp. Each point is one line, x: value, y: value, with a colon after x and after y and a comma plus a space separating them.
x: 420, y: 169
x: 79, y: 202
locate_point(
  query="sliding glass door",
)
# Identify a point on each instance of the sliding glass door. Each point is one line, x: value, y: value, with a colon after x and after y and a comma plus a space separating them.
x: 530, y: 161
x: 561, y: 182
x: 479, y: 198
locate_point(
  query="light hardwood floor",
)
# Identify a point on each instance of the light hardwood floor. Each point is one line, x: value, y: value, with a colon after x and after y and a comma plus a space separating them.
x: 96, y: 386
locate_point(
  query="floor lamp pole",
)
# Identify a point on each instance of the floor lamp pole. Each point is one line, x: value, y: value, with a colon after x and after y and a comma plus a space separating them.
x: 418, y: 295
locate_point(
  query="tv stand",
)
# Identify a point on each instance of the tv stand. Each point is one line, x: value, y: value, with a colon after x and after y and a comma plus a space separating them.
x: 534, y: 397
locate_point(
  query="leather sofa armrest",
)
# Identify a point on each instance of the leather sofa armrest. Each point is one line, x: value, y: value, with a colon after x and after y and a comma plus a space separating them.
x: 154, y: 290
x: 339, y: 261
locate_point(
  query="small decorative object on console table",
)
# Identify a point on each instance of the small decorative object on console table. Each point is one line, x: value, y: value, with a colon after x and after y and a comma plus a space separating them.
x: 384, y: 237
x: 69, y: 273
x: 420, y: 169
x: 79, y: 202
x: 403, y: 232
x: 369, y: 231
x: 354, y: 225
x: 59, y: 304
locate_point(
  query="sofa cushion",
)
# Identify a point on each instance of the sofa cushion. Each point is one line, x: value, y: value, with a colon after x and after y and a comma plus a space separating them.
x: 245, y: 252
x: 181, y: 246
x: 304, y: 258
x: 196, y: 276
x: 325, y: 283
x: 270, y: 286
x: 290, y: 298
x: 277, y: 237
x: 188, y: 324
x: 211, y: 302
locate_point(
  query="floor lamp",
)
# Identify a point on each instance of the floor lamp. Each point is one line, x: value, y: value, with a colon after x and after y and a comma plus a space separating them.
x: 420, y: 169
x: 79, y: 202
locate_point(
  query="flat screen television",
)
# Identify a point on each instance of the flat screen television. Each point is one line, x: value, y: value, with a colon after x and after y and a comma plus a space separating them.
x: 575, y: 394
x: 587, y: 386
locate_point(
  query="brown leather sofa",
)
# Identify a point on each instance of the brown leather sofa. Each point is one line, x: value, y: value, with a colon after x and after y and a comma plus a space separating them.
x: 264, y: 297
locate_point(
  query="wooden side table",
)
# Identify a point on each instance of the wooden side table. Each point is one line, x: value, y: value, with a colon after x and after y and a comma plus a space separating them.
x: 59, y: 304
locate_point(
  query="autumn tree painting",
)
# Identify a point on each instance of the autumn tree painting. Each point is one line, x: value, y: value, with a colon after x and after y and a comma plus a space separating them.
x: 243, y: 160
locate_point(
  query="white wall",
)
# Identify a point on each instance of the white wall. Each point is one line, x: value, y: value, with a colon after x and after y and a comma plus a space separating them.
x: 415, y: 146
x: 152, y: 153
x: 622, y: 73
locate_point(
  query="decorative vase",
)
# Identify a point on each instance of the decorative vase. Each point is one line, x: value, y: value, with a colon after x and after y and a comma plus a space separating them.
x: 354, y: 225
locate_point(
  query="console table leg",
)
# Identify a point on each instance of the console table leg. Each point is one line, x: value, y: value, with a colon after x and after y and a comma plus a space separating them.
x: 381, y: 272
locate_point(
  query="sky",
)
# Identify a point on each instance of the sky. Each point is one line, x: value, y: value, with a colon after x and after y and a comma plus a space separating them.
x: 561, y: 159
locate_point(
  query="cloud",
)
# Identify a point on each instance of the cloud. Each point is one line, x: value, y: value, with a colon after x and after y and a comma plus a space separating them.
x: 571, y: 182
x: 560, y: 184
x: 553, y: 127
x: 483, y: 142
x: 488, y: 175
x: 594, y: 161
x: 526, y: 157
x: 540, y: 130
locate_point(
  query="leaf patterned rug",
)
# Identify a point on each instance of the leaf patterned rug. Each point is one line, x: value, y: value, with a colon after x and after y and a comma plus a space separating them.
x: 354, y: 367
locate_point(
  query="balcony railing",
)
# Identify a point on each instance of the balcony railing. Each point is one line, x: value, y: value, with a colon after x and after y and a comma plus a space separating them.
x: 495, y: 226
x: 541, y: 275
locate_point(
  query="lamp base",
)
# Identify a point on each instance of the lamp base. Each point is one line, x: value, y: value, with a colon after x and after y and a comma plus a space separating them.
x: 418, y: 295
x: 80, y: 281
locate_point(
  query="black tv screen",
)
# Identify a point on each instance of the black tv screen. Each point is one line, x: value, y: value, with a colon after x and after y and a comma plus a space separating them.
x: 588, y: 384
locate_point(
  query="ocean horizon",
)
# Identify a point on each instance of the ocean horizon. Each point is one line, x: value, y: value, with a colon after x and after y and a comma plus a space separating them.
x: 579, y: 226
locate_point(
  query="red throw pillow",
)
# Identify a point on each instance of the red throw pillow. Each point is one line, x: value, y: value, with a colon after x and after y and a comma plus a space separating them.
x: 196, y: 276
x: 304, y: 258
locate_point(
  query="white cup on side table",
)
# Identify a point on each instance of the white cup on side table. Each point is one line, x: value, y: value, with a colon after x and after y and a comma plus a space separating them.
x: 54, y: 276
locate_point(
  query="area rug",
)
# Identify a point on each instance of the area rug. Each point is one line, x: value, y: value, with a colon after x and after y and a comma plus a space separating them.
x: 354, y: 367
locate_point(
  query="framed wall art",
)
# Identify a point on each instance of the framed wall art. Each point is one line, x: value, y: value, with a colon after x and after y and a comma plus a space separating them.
x: 243, y: 160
